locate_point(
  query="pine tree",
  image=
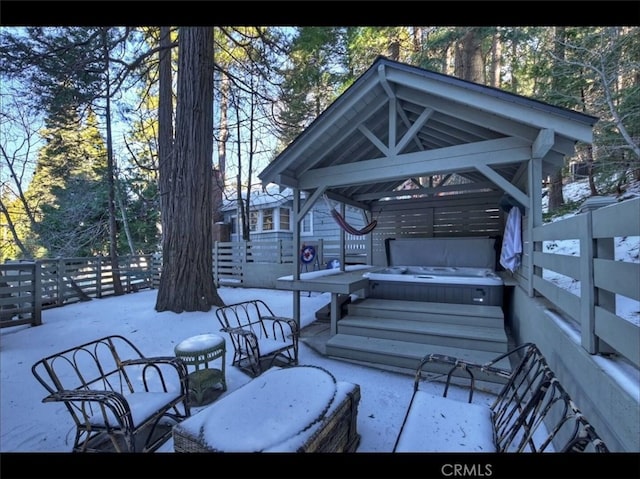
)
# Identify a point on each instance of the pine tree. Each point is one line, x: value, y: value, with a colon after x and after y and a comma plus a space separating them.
x: 71, y: 199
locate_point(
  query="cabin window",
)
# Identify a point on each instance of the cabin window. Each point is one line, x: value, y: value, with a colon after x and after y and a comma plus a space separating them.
x: 284, y: 219
x: 253, y: 221
x: 306, y: 225
x: 267, y: 219
x: 233, y: 225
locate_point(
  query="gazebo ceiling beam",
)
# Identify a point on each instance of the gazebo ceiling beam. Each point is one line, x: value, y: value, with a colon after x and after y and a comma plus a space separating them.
x: 483, y: 185
x: 421, y: 163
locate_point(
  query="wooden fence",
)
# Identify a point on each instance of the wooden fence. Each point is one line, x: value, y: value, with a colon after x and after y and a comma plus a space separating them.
x: 20, y: 294
x: 600, y: 274
x: 27, y: 288
x: 241, y: 263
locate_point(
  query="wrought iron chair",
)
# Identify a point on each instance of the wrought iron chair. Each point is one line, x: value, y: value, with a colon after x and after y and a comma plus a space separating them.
x: 260, y: 338
x: 120, y: 400
x: 531, y: 413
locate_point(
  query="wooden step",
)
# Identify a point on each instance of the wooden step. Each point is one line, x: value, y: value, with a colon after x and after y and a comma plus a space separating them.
x: 324, y: 313
x: 425, y: 311
x: 403, y: 354
x: 454, y: 335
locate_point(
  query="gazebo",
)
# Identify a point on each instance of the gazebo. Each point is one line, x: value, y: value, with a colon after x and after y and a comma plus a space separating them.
x: 428, y: 155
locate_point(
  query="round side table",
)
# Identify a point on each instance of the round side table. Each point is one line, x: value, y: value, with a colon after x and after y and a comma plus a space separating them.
x: 199, y: 351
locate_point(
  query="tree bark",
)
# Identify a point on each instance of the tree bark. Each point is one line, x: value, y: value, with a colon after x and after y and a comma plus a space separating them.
x: 496, y: 59
x: 556, y: 199
x: 165, y: 124
x: 113, y: 226
x: 473, y: 65
x: 186, y: 282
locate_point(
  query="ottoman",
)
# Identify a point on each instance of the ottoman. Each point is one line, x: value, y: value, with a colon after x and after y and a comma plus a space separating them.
x: 295, y: 409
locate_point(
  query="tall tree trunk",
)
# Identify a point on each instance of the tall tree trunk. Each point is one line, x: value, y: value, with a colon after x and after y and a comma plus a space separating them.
x: 113, y: 225
x: 224, y: 125
x: 593, y: 190
x: 556, y: 199
x: 473, y: 65
x: 496, y: 59
x: 245, y: 203
x: 514, y: 62
x: 418, y: 35
x: 458, y: 60
x: 125, y: 221
x: 223, y: 136
x: 165, y: 124
x: 186, y: 283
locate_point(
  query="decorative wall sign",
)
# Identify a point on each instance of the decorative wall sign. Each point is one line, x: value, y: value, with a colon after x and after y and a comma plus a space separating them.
x: 308, y: 254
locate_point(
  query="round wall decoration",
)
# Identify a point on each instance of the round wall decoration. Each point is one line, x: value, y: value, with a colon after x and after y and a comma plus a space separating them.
x: 308, y: 254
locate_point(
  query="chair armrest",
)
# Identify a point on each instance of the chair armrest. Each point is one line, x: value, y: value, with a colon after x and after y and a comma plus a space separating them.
x: 466, y: 369
x: 154, y: 363
x: 238, y: 331
x: 108, y: 402
x: 279, y: 322
x: 173, y: 361
x: 465, y: 365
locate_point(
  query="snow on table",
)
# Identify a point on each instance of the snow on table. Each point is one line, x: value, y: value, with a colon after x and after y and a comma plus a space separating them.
x: 265, y: 412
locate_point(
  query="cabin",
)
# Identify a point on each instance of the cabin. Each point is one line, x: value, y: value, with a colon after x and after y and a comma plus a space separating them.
x: 449, y: 174
x: 268, y: 254
x: 270, y: 213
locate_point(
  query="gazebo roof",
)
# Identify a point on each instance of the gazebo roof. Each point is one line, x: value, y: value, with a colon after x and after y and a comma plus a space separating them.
x: 398, y: 122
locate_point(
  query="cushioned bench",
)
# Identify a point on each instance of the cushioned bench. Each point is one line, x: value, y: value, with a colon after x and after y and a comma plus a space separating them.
x: 531, y: 413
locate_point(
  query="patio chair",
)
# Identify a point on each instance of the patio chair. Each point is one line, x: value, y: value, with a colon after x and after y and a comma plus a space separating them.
x: 120, y: 400
x: 260, y: 339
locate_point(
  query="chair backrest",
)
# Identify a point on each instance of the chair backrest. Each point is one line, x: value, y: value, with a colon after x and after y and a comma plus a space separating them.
x: 92, y: 365
x: 534, y: 413
x: 245, y: 315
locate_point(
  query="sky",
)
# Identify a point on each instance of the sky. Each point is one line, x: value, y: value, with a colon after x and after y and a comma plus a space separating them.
x: 28, y: 425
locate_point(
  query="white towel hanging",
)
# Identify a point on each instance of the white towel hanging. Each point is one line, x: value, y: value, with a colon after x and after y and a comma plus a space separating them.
x: 511, y: 254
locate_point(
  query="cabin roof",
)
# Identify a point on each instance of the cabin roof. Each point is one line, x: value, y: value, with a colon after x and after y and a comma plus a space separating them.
x: 398, y: 122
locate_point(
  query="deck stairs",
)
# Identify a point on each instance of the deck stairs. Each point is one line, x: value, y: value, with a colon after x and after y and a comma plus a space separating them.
x: 398, y: 333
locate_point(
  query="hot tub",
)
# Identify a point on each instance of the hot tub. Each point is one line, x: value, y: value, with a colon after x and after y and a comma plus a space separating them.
x: 439, y: 284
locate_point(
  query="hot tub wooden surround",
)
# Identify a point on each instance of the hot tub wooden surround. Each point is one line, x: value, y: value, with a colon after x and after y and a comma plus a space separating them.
x: 399, y: 333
